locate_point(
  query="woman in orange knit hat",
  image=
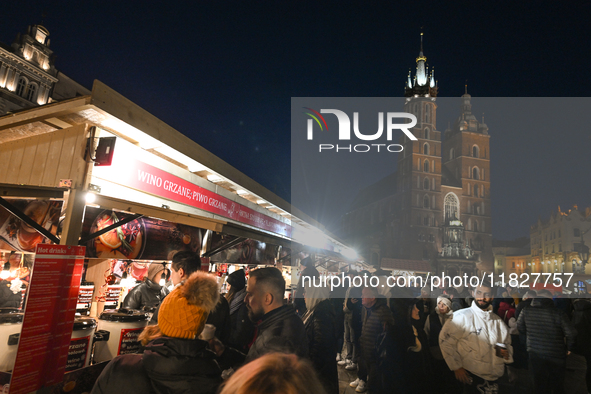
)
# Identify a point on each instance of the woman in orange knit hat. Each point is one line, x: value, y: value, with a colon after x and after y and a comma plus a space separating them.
x: 174, y: 360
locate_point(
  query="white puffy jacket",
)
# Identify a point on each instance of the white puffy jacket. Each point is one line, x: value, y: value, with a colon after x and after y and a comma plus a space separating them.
x: 468, y: 341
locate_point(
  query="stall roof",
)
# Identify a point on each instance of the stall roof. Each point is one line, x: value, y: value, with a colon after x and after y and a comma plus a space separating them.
x: 108, y: 110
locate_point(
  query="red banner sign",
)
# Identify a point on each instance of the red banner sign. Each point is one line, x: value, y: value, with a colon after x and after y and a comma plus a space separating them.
x: 138, y: 175
x: 49, y: 317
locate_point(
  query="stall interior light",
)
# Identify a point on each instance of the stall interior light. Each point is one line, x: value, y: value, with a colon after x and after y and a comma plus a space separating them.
x: 90, y: 198
x: 214, y: 178
x: 145, y: 141
x: 5, y: 271
x: 241, y: 192
x: 261, y: 202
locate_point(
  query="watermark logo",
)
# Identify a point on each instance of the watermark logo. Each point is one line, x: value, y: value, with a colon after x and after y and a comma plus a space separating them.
x: 344, y: 132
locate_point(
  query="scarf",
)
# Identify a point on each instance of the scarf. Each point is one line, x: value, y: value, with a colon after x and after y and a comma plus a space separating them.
x: 237, y: 300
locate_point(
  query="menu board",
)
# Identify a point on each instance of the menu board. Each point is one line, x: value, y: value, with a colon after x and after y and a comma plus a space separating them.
x: 49, y: 317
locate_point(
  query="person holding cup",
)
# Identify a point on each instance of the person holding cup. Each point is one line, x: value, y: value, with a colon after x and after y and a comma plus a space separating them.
x: 476, y: 344
x: 175, y: 360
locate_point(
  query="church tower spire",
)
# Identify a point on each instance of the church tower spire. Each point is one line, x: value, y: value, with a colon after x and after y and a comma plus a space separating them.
x: 423, y: 84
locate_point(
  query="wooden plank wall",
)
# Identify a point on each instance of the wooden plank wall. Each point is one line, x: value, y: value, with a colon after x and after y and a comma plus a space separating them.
x: 45, y: 159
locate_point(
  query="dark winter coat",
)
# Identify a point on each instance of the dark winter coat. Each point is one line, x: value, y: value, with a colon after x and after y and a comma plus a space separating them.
x: 242, y: 329
x: 280, y: 330
x: 521, y: 306
x: 373, y: 320
x: 220, y: 318
x: 582, y: 323
x: 147, y: 294
x: 7, y: 298
x: 546, y: 328
x: 321, y: 330
x: 168, y: 365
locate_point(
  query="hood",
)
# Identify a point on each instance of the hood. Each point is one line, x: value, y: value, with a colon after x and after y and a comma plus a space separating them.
x: 542, y: 302
x: 582, y: 304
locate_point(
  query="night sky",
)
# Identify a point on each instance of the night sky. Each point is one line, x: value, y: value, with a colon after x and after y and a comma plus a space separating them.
x: 223, y: 73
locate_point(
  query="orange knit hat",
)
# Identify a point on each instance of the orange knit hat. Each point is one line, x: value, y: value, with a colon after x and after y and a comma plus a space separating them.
x: 184, y: 311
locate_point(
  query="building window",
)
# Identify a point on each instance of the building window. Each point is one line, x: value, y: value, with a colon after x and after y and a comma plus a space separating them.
x: 451, y: 206
x: 451, y: 154
x: 577, y: 232
x: 427, y: 113
x: 425, y: 253
x: 426, y: 133
x: 426, y: 148
x: 21, y: 87
x: 513, y: 265
x: 32, y: 92
x: 476, y: 225
x: 426, y: 183
x: 426, y: 202
x: 425, y: 221
x: 475, y: 173
x: 476, y: 190
x: 475, y: 151
x: 419, y: 220
x: 431, y: 238
x: 558, y: 233
x: 426, y: 166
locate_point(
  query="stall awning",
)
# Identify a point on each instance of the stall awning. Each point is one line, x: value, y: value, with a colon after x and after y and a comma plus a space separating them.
x: 160, y: 213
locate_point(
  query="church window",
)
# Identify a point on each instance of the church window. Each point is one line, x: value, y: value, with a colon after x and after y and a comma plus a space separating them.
x: 426, y: 166
x: 426, y: 202
x: 425, y: 221
x: 426, y: 149
x: 427, y: 113
x: 476, y: 225
x: 451, y: 206
x: 21, y: 87
x: 476, y: 190
x: 475, y: 173
x: 426, y: 183
x: 431, y: 238
x: 475, y: 151
x: 32, y: 92
x: 451, y: 154
x: 426, y: 133
x: 433, y: 184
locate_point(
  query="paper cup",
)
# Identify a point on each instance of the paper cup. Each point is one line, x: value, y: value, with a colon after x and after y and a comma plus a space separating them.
x: 208, y: 332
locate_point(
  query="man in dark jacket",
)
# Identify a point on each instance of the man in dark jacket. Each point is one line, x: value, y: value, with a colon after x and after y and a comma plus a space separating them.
x: 547, y: 327
x: 279, y: 328
x: 147, y: 294
x: 376, y: 318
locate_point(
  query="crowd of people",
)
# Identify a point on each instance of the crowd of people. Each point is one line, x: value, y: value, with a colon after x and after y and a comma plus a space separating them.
x: 451, y: 340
